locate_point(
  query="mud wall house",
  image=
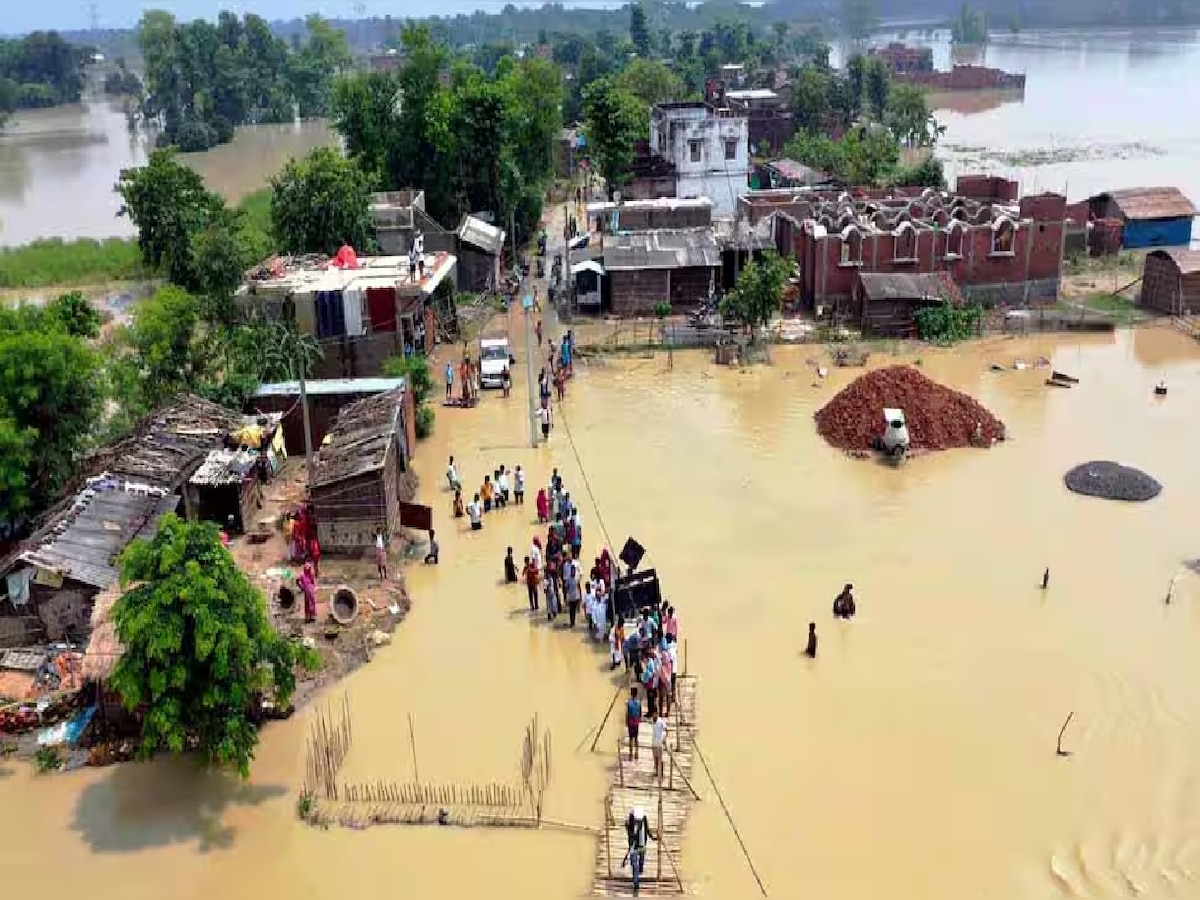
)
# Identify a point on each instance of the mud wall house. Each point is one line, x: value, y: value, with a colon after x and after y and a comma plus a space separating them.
x: 52, y: 578
x: 326, y: 398
x: 479, y: 248
x: 361, y: 314
x: 649, y: 215
x: 886, y: 305
x: 359, y: 479
x: 997, y: 254
x: 709, y: 149
x: 1151, y: 217
x: 681, y: 266
x: 1171, y: 282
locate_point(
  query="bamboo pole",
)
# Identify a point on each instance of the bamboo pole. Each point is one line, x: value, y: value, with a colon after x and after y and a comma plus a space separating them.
x: 675, y: 765
x: 412, y: 740
x: 620, y: 764
x: 608, y: 831
x: 661, y: 836
x: 604, y: 721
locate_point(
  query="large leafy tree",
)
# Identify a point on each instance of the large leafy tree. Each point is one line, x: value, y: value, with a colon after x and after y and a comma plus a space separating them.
x: 758, y: 295
x: 321, y: 202
x: 615, y: 121
x: 40, y: 69
x: 164, y: 339
x: 639, y: 30
x: 49, y: 401
x: 651, y: 81
x: 198, y: 646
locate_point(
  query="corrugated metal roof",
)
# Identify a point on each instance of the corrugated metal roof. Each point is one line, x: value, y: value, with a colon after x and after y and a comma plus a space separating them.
x: 84, y: 545
x: 901, y: 286
x: 360, y: 438
x: 752, y: 94
x: 326, y: 386
x: 796, y: 171
x: 224, y: 467
x: 674, y: 248
x: 1187, y: 261
x: 1153, y: 203
x: 479, y: 233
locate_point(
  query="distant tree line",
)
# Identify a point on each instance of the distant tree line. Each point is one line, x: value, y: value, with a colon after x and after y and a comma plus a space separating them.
x: 40, y: 70
x: 472, y: 141
x: 203, y: 80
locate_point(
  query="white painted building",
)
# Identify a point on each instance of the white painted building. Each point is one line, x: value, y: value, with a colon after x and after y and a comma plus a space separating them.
x: 710, y: 149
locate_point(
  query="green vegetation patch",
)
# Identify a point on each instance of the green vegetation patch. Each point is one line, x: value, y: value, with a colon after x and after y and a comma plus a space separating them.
x: 57, y: 262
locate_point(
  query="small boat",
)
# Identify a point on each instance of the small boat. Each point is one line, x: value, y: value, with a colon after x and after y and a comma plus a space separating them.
x: 1160, y: 389
x: 1060, y: 376
x: 1054, y: 382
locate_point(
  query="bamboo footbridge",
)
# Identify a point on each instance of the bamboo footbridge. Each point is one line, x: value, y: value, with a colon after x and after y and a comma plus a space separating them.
x: 667, y: 802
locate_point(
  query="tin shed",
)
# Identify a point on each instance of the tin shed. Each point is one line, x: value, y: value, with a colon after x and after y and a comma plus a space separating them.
x: 1152, y: 217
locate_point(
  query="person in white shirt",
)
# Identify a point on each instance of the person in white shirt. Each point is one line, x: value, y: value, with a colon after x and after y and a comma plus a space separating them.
x: 475, y: 514
x: 543, y: 415
x: 452, y: 476
x: 535, y: 553
x: 502, y: 485
x: 589, y: 607
x: 519, y: 486
x: 658, y: 743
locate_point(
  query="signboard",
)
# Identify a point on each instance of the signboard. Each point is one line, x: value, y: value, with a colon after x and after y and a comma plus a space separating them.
x: 414, y: 515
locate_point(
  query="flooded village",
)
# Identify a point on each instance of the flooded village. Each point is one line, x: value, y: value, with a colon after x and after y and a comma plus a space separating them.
x: 573, y: 574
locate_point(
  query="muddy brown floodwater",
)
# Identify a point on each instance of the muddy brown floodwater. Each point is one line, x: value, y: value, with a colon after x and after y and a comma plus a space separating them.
x: 913, y: 758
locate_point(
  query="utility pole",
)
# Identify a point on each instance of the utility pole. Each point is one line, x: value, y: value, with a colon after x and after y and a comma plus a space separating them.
x: 530, y: 350
x: 308, y: 442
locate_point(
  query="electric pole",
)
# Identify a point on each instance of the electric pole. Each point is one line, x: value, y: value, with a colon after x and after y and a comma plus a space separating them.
x: 308, y: 442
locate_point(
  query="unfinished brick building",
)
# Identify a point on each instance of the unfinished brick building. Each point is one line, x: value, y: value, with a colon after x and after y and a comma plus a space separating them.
x: 996, y: 252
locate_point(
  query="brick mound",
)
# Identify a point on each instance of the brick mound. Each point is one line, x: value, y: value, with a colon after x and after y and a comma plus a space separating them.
x: 1112, y: 481
x: 938, y: 418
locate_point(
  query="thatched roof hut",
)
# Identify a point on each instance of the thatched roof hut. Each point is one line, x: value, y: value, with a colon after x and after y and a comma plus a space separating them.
x: 103, y: 647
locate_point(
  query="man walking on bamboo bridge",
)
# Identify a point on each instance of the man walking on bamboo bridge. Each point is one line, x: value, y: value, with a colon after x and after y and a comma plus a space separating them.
x: 637, y: 829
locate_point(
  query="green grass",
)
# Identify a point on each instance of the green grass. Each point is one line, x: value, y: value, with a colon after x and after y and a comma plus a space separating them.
x: 66, y: 263
x: 256, y: 208
x: 1120, y: 308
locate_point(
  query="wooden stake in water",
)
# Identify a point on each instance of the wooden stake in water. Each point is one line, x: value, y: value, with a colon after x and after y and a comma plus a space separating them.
x: 412, y: 740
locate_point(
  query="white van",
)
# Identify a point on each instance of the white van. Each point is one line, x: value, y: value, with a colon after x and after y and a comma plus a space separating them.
x: 494, y: 358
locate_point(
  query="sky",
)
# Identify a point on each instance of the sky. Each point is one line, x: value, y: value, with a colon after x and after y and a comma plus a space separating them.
x: 70, y: 15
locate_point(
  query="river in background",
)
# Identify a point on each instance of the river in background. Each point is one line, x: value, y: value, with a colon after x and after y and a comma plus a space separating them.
x: 58, y: 168
x: 914, y: 758
x: 1101, y: 110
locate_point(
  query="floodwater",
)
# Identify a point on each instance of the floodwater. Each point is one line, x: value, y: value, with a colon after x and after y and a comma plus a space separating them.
x: 58, y: 168
x: 1101, y: 110
x: 915, y: 757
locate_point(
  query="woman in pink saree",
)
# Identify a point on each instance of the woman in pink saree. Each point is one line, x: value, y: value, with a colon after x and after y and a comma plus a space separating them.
x: 308, y: 586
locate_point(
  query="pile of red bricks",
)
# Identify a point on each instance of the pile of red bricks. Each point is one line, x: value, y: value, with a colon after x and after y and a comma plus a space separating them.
x: 938, y: 418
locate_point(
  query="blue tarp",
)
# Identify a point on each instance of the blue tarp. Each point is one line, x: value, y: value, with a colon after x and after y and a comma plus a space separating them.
x: 67, y: 732
x: 1157, y: 233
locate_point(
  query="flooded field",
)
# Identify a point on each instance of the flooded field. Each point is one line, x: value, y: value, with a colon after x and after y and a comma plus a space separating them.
x: 915, y: 757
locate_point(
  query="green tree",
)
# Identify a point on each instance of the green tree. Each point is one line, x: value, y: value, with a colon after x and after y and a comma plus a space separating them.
x: 420, y: 381
x: 199, y: 647
x: 320, y: 203
x: 163, y: 336
x: 75, y: 315
x: 312, y: 68
x: 168, y: 203
x: 49, y: 401
x: 908, y: 117
x: 877, y: 85
x: 41, y: 69
x: 615, y: 120
x: 639, y: 29
x: 758, y: 295
x: 927, y: 173
x: 811, y: 103
x: 969, y: 27
x: 651, y: 81
x: 219, y: 253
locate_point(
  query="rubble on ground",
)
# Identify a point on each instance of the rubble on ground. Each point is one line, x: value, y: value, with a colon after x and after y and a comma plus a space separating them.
x: 938, y: 417
x: 1112, y: 481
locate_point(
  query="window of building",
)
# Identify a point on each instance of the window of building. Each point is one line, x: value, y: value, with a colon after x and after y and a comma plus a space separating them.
x: 1003, y: 236
x: 852, y: 247
x: 731, y: 148
x: 954, y: 240
x: 696, y: 150
x: 905, y: 238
